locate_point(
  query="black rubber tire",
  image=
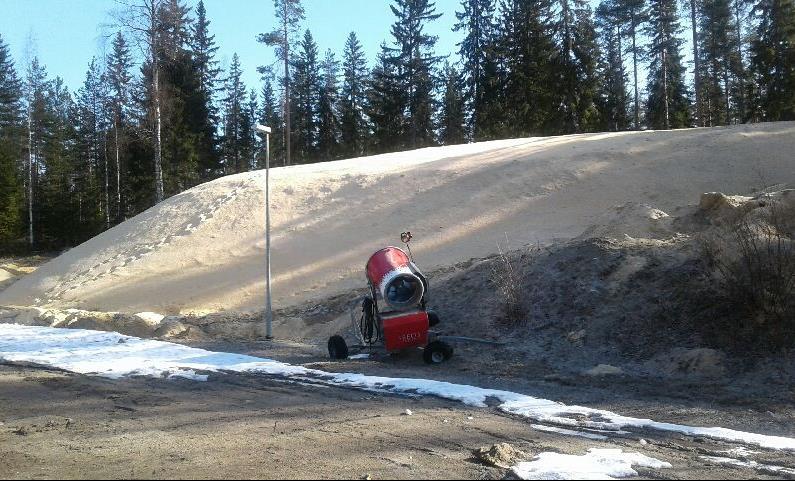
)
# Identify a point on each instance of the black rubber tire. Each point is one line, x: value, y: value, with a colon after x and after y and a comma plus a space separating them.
x: 437, y: 352
x: 433, y: 319
x: 337, y: 348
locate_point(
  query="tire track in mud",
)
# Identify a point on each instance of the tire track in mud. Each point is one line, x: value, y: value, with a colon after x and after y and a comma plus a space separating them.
x: 119, y: 261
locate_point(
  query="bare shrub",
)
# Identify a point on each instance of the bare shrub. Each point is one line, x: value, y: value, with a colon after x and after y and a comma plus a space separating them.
x: 507, y: 277
x: 754, y: 260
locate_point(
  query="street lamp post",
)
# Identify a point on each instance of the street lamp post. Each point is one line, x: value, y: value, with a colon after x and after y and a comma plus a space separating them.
x: 268, y: 305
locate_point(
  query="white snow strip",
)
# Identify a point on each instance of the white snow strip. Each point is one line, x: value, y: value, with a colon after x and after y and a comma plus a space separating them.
x: 113, y: 355
x: 568, y: 432
x: 764, y: 468
x: 597, y: 464
x: 359, y: 356
x: 741, y: 452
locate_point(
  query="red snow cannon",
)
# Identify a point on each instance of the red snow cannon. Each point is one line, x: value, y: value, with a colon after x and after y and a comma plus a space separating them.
x: 394, y: 315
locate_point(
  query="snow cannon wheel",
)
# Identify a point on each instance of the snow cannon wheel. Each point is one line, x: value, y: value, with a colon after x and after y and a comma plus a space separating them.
x: 437, y: 352
x: 337, y: 348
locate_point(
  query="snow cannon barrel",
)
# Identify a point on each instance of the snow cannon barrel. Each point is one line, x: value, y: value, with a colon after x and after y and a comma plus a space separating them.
x: 396, y: 278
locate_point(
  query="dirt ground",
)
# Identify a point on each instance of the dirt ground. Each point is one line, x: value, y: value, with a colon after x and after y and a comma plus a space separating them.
x: 61, y: 425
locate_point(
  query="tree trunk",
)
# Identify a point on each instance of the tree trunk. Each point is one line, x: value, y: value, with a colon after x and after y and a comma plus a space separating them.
x: 30, y: 174
x: 696, y: 64
x: 665, y: 88
x: 635, y: 68
x: 159, y: 195
x: 287, y: 132
x: 741, y: 72
x: 118, y: 168
x: 107, y: 182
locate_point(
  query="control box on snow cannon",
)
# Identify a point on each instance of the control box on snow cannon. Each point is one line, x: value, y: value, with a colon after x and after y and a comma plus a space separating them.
x: 392, y: 275
x: 404, y: 330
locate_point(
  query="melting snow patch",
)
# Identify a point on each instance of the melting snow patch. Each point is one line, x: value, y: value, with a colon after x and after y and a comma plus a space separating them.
x: 568, y: 432
x: 597, y: 464
x: 113, y: 355
x: 763, y: 468
x: 359, y: 356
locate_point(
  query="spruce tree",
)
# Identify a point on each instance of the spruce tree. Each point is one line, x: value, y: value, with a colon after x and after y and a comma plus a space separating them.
x: 614, y: 98
x: 414, y: 58
x: 576, y: 66
x: 35, y: 95
x: 306, y: 93
x: 203, y: 50
x: 721, y: 72
x: 527, y: 46
x: 10, y: 134
x: 60, y: 199
x: 633, y: 16
x: 452, y: 117
x: 385, y: 105
x: 119, y: 76
x: 270, y: 115
x: 773, y: 59
x: 353, y: 121
x: 668, y: 103
x: 90, y: 173
x: 328, y: 113
x: 234, y: 114
x: 477, y: 51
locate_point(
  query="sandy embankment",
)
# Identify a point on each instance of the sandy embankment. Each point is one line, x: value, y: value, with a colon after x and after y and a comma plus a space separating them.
x: 202, y: 250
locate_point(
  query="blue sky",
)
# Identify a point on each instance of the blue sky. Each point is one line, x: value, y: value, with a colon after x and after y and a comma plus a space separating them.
x: 67, y: 33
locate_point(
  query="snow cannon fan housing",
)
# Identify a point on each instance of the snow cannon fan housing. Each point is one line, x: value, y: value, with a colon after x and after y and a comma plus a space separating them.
x: 398, y: 281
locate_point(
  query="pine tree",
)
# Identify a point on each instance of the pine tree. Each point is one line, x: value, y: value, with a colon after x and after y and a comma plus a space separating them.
x: 477, y: 51
x: 306, y: 100
x: 452, y: 122
x: 614, y: 98
x: 668, y: 103
x: 10, y: 130
x: 414, y: 59
x: 353, y: 122
x: 773, y: 59
x: 289, y: 14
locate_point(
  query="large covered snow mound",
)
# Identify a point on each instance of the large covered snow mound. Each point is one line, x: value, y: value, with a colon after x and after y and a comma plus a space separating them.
x: 203, y: 250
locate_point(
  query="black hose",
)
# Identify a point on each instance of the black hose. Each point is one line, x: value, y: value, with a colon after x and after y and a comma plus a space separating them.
x: 368, y: 323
